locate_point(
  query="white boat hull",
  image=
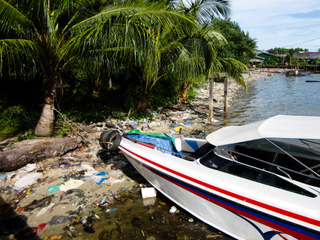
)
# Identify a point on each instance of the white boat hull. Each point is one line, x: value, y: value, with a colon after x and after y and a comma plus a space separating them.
x: 230, y: 216
x: 206, y: 211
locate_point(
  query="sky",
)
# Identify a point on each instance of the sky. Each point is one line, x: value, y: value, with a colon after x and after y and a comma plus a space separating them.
x: 279, y: 23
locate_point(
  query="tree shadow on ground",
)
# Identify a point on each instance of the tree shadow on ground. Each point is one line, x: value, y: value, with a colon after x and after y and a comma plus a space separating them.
x: 14, y: 225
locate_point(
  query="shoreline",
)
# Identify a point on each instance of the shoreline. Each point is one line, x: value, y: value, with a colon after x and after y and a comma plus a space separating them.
x: 197, y: 110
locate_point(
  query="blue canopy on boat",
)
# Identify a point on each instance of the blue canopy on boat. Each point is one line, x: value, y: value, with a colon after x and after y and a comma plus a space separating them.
x: 164, y: 142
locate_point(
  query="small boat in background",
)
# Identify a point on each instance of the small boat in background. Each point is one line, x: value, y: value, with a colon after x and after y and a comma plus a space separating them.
x: 257, y: 181
x: 297, y: 74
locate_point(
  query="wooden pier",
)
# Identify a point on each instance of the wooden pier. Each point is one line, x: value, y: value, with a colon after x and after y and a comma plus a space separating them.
x: 309, y: 68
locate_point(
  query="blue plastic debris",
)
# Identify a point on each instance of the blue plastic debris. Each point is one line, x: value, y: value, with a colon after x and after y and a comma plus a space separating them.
x: 100, y: 177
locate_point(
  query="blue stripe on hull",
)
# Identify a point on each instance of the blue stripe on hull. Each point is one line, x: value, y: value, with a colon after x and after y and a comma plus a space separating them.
x: 239, y: 209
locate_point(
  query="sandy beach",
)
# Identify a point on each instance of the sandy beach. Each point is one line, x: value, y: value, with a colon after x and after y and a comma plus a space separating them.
x: 59, y: 194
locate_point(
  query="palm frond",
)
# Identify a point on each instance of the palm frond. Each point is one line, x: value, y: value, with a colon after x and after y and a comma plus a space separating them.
x: 18, y: 57
x: 14, y: 24
x: 203, y: 11
x: 234, y: 69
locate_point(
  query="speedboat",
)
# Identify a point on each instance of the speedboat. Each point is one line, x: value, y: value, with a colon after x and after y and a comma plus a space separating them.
x: 256, y: 181
x: 297, y: 74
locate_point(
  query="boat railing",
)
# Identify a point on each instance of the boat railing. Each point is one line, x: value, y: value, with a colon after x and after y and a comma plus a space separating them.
x: 282, y: 169
x: 301, y: 163
x: 307, y: 142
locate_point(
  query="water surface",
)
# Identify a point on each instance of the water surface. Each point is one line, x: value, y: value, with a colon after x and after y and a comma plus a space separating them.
x: 275, y: 95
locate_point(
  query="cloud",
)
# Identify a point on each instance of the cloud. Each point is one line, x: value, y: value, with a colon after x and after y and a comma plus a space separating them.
x: 279, y: 23
x: 313, y: 14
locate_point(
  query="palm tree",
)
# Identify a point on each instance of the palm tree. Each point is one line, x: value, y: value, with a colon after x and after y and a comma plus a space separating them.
x: 36, y: 38
x: 196, y: 59
x: 193, y: 68
x: 138, y: 34
x: 154, y: 39
x: 32, y: 34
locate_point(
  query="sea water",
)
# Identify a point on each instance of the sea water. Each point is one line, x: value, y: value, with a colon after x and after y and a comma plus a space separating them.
x: 275, y: 95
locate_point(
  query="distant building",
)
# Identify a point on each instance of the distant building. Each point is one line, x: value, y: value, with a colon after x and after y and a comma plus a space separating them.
x: 257, y: 60
x: 267, y: 57
x: 307, y: 55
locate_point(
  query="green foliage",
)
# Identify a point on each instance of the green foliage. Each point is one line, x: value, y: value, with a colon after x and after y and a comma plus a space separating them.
x: 289, y: 58
x: 70, y: 46
x: 64, y: 131
x: 284, y: 50
x: 16, y: 120
x: 273, y: 60
x: 119, y: 115
x: 240, y: 45
x: 141, y: 115
x: 26, y: 136
x: 20, y: 138
x: 316, y: 61
x: 192, y: 93
x: 164, y: 94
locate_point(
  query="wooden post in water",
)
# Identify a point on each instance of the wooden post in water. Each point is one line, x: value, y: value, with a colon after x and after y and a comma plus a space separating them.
x: 218, y: 77
x: 225, y: 96
x: 211, y: 79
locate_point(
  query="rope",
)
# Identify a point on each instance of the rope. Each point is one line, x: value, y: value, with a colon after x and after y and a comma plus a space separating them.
x: 66, y: 120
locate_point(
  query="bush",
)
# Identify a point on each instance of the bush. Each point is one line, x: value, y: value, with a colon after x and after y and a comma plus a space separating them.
x: 15, y: 120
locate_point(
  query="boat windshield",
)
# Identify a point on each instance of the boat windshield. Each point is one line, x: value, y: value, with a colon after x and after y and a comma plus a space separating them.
x: 297, y: 159
x: 214, y: 161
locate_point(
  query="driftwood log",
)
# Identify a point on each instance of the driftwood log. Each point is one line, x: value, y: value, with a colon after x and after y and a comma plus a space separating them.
x: 36, y: 150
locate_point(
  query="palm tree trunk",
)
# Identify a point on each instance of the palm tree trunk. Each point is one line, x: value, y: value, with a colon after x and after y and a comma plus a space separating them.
x: 141, y: 102
x: 45, y: 124
x: 184, y: 90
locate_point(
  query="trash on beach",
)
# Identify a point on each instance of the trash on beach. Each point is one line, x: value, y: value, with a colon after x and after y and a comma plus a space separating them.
x: 14, y: 199
x: 173, y: 209
x: 214, y: 120
x: 89, y: 170
x: 72, y: 193
x: 55, y: 237
x: 111, y: 210
x: 114, y: 167
x: 104, y: 202
x: 149, y: 201
x: 26, y: 181
x: 53, y: 189
x: 71, y: 184
x: 133, y: 123
x: 99, y: 177
x: 3, y: 177
x: 148, y: 196
x: 178, y: 129
x: 39, y: 228
x: 45, y: 209
x: 120, y: 180
x: 58, y: 219
x: 148, y: 192
x: 43, y: 202
x: 30, y: 167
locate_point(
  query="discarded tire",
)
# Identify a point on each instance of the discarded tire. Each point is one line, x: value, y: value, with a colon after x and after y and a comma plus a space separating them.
x: 110, y: 140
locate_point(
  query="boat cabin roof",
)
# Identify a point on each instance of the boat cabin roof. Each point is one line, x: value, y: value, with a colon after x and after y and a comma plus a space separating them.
x: 280, y: 127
